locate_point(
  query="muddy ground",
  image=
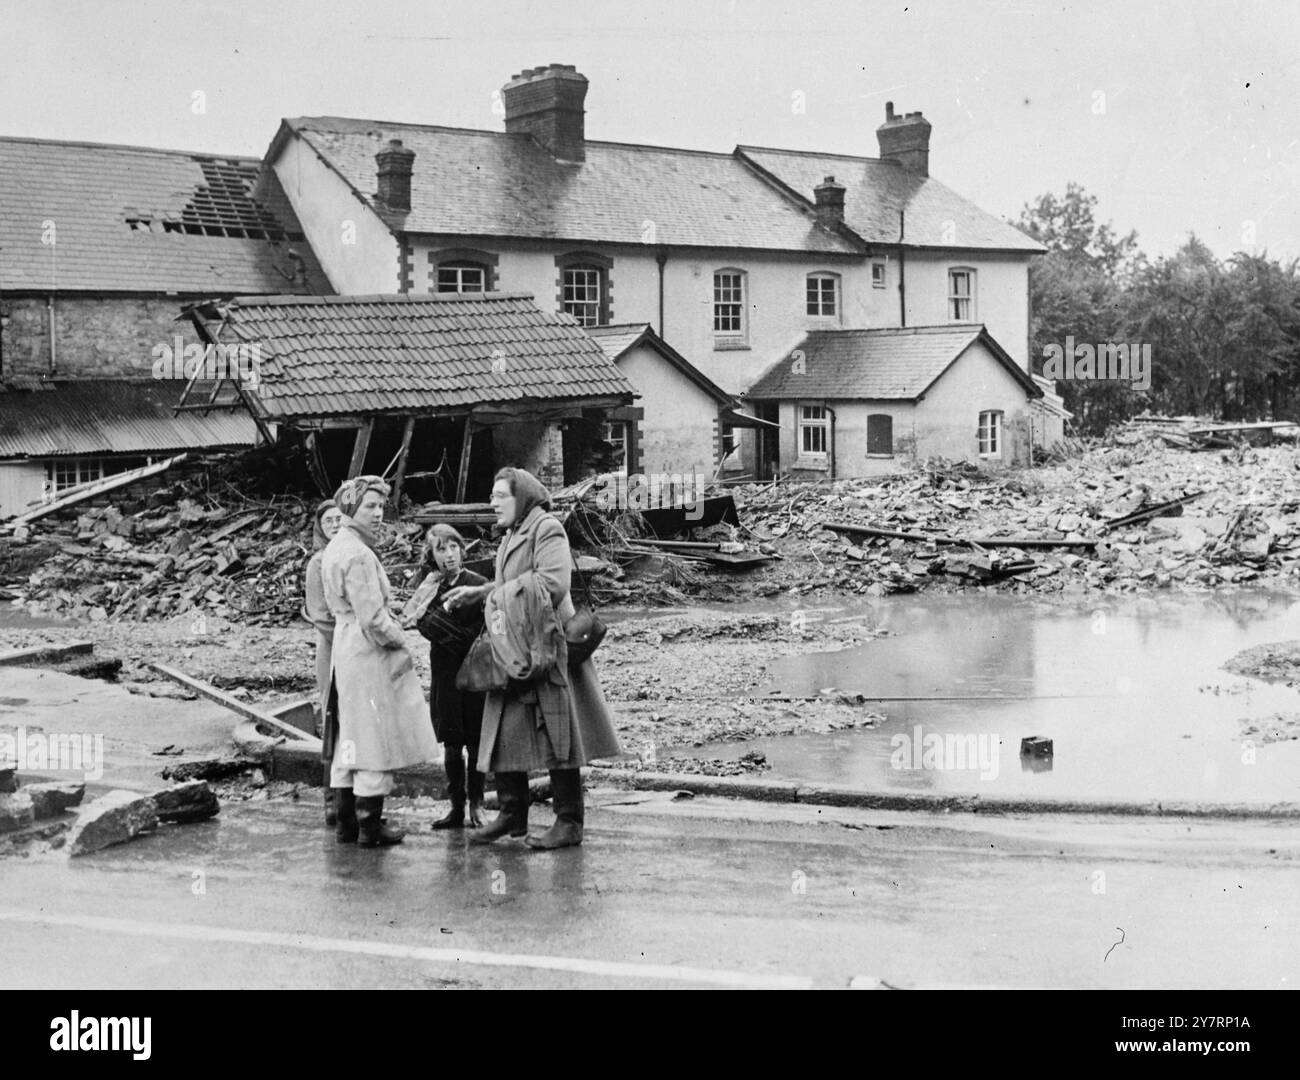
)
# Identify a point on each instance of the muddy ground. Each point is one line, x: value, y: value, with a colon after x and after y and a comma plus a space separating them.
x: 673, y: 680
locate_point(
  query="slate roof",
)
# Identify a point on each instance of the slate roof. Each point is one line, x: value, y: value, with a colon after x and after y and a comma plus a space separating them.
x: 486, y: 183
x: 618, y: 338
x: 878, y: 365
x: 198, y: 227
x: 351, y: 355
x: 112, y: 416
x: 875, y: 192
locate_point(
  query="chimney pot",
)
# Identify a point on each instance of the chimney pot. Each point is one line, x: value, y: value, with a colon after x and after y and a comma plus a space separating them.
x: 547, y: 103
x: 906, y: 140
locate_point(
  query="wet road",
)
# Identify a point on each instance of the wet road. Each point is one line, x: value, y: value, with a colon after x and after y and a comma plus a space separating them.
x: 668, y: 894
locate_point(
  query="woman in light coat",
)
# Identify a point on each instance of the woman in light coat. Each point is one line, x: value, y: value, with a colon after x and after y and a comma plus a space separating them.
x: 325, y: 523
x: 381, y: 720
x: 559, y: 721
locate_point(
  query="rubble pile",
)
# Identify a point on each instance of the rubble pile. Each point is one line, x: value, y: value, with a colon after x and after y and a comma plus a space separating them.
x: 197, y: 552
x: 1237, y: 520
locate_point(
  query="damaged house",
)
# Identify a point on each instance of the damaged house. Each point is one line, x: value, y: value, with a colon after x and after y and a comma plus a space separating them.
x: 436, y: 391
x: 100, y: 246
x: 731, y: 259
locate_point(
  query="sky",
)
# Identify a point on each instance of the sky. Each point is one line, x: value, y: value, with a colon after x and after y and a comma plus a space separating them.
x: 1178, y: 117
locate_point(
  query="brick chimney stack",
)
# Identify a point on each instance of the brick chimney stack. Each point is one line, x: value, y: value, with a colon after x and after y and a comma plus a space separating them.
x: 396, y: 164
x: 547, y: 103
x: 905, y: 139
x: 830, y: 202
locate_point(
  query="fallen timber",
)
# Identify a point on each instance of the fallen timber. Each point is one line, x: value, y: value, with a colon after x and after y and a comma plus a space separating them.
x: 248, y: 712
x: 42, y: 654
x: 980, y: 541
x: 1158, y: 510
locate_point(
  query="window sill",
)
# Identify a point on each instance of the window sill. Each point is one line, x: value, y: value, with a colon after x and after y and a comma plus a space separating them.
x: 884, y: 456
x: 730, y: 345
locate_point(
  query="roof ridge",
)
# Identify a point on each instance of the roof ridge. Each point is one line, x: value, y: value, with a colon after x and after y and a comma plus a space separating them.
x: 285, y: 299
x: 817, y: 153
x: 85, y: 144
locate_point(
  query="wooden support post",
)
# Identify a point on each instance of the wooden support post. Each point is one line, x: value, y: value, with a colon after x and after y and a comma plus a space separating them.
x: 462, y: 474
x: 360, y: 447
x: 401, y: 461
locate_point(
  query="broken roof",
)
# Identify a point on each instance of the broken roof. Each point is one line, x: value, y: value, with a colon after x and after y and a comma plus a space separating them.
x: 879, y: 365
x: 86, y: 217
x: 618, y: 339
x: 875, y: 193
x: 359, y: 355
x: 112, y: 416
x: 487, y: 183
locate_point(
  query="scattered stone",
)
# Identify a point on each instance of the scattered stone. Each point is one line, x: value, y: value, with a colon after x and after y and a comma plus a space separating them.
x: 113, y: 818
x: 184, y: 803
x: 54, y: 798
x: 16, y: 811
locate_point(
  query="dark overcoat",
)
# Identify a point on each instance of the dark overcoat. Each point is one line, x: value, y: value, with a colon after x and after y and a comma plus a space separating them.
x: 457, y: 714
x: 515, y: 720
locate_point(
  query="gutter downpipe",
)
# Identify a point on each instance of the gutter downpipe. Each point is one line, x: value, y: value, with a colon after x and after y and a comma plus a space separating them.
x: 49, y: 309
x: 902, y: 275
x: 662, y: 259
x: 831, y: 413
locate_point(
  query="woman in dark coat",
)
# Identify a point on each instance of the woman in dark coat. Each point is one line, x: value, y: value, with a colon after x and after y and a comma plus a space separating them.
x: 558, y: 721
x: 457, y: 714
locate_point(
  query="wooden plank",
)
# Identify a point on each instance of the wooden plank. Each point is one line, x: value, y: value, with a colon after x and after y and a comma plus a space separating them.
x: 462, y: 472
x: 401, y: 460
x: 980, y: 541
x: 1151, y: 511
x: 89, y: 491
x: 248, y: 712
x: 360, y: 447
x: 39, y: 654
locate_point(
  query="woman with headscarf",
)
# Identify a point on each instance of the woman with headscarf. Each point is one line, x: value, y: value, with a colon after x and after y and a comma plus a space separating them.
x: 457, y: 714
x: 559, y: 720
x: 381, y: 722
x: 325, y: 523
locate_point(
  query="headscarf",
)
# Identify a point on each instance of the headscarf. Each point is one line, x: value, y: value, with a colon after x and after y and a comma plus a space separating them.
x: 318, y: 537
x: 528, y: 492
x: 351, y: 492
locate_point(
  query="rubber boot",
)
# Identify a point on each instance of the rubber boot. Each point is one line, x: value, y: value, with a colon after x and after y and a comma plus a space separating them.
x: 370, y: 820
x: 512, y: 792
x: 454, y: 765
x: 345, y: 806
x: 475, y: 818
x: 566, y: 798
x: 331, y: 814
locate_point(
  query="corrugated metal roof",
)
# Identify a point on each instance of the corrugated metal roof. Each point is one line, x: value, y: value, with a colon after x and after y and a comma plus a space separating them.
x: 118, y: 217
x: 496, y: 184
x: 878, y: 365
x: 112, y: 416
x: 345, y: 355
x: 876, y: 191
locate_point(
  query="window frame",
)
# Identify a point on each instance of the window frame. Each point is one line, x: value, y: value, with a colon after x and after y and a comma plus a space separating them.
x: 880, y: 282
x: 459, y: 266
x: 739, y: 336
x: 462, y: 257
x: 821, y: 316
x: 889, y: 419
x: 955, y: 298
x: 995, y: 437
x: 806, y: 424
x: 622, y: 441
x: 602, y: 308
